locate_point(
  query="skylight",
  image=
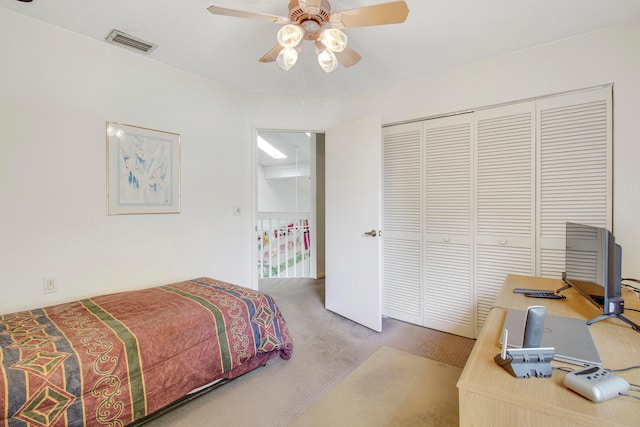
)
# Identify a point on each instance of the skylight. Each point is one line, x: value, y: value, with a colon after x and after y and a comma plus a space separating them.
x: 270, y: 149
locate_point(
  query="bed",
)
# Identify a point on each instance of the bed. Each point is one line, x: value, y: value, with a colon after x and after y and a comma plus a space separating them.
x: 117, y: 359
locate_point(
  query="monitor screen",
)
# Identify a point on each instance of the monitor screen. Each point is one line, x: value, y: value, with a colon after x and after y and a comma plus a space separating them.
x: 590, y: 262
x: 594, y: 268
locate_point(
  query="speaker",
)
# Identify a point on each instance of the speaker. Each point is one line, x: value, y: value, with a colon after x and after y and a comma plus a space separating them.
x: 534, y: 326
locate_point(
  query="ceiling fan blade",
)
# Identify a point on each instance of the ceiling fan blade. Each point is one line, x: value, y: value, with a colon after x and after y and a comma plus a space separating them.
x: 381, y: 14
x: 348, y: 57
x: 251, y: 15
x: 272, y: 55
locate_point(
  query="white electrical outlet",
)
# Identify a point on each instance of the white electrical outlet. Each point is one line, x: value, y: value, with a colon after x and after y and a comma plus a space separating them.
x: 50, y: 285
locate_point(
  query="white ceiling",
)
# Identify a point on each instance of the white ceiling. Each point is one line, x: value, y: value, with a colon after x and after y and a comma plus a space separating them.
x: 438, y: 34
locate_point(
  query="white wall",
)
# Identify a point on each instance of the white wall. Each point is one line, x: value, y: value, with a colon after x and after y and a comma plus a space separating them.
x: 610, y: 56
x: 57, y: 90
x: 283, y: 194
x: 285, y: 113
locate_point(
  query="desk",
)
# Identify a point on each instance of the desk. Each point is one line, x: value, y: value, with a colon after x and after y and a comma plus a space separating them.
x: 490, y: 396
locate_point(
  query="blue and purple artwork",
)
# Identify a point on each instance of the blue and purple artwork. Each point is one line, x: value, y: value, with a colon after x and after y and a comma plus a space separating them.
x: 144, y: 170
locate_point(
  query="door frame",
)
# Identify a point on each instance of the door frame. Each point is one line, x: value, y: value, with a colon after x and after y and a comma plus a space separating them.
x: 254, y: 200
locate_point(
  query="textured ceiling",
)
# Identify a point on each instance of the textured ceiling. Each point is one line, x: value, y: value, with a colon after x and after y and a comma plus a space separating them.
x: 437, y: 35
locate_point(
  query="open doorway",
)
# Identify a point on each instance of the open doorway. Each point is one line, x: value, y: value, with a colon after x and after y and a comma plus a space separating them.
x: 290, y: 204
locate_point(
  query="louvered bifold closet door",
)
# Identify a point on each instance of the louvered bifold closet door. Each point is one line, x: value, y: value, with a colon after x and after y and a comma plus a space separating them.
x: 402, y: 223
x: 505, y: 199
x: 574, y: 170
x: 448, y: 292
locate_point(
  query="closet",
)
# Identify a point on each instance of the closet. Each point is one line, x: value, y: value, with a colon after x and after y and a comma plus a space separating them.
x: 472, y: 197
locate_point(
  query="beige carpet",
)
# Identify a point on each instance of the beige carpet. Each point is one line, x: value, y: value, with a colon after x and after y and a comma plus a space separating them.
x: 326, y: 349
x: 390, y: 388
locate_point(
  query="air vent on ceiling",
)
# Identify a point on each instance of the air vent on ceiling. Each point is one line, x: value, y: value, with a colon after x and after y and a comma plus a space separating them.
x: 131, y: 42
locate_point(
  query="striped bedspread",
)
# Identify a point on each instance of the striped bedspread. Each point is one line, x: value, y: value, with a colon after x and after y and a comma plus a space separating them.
x: 113, y: 359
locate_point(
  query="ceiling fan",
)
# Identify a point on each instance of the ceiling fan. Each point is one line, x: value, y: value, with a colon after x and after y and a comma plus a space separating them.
x: 312, y: 20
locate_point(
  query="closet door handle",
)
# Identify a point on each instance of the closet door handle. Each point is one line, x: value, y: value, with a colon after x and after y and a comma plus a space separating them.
x: 372, y: 233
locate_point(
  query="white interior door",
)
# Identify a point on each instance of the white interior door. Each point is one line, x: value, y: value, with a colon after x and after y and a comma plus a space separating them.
x: 353, y: 167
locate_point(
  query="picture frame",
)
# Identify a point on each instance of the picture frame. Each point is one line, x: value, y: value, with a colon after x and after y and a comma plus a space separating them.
x: 143, y: 170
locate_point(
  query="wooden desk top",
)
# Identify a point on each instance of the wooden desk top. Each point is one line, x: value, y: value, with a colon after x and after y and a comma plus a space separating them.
x: 617, y: 344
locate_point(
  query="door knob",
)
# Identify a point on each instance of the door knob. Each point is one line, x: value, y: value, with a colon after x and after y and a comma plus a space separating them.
x: 371, y: 233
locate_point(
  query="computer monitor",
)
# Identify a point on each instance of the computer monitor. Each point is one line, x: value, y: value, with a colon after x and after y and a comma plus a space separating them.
x: 593, y: 266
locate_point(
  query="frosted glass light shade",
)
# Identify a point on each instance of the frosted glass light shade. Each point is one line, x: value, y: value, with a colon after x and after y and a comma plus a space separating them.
x: 327, y: 60
x: 334, y: 39
x: 287, y: 58
x: 290, y: 35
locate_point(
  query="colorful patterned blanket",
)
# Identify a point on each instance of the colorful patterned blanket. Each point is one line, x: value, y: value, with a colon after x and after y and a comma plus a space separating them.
x: 113, y: 359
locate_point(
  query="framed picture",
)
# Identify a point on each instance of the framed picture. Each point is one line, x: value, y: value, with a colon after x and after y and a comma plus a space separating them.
x: 143, y: 170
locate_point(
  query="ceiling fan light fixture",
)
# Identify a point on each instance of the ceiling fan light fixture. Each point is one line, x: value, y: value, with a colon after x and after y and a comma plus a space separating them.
x: 287, y: 58
x: 311, y: 28
x: 334, y: 39
x: 327, y: 60
x: 306, y: 21
x: 290, y: 36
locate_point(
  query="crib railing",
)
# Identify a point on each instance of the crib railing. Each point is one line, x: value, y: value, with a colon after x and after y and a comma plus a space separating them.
x: 283, y: 245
